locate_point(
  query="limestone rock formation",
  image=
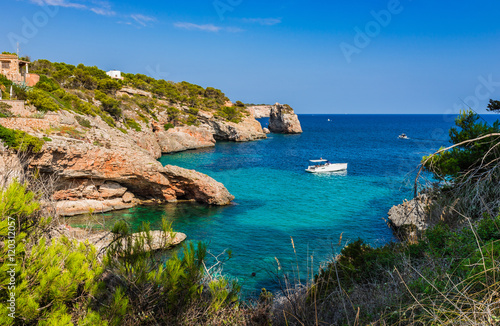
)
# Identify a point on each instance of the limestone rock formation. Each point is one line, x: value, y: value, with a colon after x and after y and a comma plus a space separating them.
x: 132, y: 91
x: 98, y: 178
x: 283, y: 120
x: 247, y: 130
x: 87, y: 206
x: 101, y: 239
x: 183, y: 138
x: 413, y: 212
x: 260, y: 111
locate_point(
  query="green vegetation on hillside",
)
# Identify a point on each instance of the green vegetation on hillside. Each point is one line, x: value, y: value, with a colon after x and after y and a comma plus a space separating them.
x: 64, y: 86
x: 19, y: 140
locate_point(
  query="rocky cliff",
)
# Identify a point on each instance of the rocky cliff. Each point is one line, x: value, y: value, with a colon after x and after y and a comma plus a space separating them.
x: 101, y: 168
x: 416, y: 215
x: 247, y: 130
x: 103, y: 137
x: 410, y: 216
x: 283, y: 120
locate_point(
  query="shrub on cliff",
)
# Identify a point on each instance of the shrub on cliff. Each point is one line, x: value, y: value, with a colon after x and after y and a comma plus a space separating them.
x: 230, y: 113
x: 132, y: 124
x: 108, y: 104
x: 5, y: 110
x: 109, y: 86
x: 469, y: 169
x: 47, y: 84
x: 42, y: 101
x: 83, y: 122
x: 20, y: 141
x: 447, y: 277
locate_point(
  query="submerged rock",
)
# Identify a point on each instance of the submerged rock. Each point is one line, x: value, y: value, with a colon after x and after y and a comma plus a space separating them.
x: 79, y: 207
x: 101, y: 239
x: 283, y: 120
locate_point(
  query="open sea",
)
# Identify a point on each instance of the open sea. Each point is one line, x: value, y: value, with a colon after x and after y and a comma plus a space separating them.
x: 276, y: 200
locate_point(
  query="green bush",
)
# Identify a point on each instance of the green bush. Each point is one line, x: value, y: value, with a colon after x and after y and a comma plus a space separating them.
x: 5, y: 110
x: 109, y: 86
x: 131, y: 123
x: 143, y: 117
x: 20, y: 92
x: 193, y: 111
x: 109, y: 104
x: 42, y: 101
x: 192, y: 120
x: 168, y: 126
x: 47, y: 84
x: 230, y: 113
x: 53, y: 278
x: 5, y: 82
x: 83, y: 122
x: 20, y: 141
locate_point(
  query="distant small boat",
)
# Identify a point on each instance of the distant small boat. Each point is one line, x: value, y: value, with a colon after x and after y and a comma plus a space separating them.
x: 329, y: 120
x: 403, y: 136
x: 323, y: 165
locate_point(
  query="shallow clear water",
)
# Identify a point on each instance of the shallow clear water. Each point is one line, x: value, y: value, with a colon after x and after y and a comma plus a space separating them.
x: 276, y: 199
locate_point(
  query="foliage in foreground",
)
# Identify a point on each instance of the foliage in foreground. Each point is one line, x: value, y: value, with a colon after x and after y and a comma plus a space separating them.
x: 62, y: 282
x: 467, y: 156
x: 20, y: 140
x: 449, y: 277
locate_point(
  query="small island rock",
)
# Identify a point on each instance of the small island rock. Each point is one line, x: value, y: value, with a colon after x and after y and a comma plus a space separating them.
x: 283, y: 120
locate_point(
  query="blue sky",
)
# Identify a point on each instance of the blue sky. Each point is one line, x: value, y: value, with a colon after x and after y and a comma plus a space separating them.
x: 336, y: 56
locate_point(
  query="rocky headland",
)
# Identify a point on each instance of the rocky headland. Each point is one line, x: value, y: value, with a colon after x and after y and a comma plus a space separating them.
x: 99, y: 168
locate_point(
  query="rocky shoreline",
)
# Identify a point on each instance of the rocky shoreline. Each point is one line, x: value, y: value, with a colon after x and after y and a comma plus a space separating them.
x: 100, y: 168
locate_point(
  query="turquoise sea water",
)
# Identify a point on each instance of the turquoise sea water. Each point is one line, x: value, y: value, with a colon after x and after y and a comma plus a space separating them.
x: 276, y: 200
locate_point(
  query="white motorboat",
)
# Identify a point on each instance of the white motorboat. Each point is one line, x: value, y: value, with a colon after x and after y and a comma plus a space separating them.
x: 403, y: 136
x: 322, y: 165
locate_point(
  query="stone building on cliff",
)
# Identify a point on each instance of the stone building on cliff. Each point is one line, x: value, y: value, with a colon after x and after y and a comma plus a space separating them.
x: 17, y: 70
